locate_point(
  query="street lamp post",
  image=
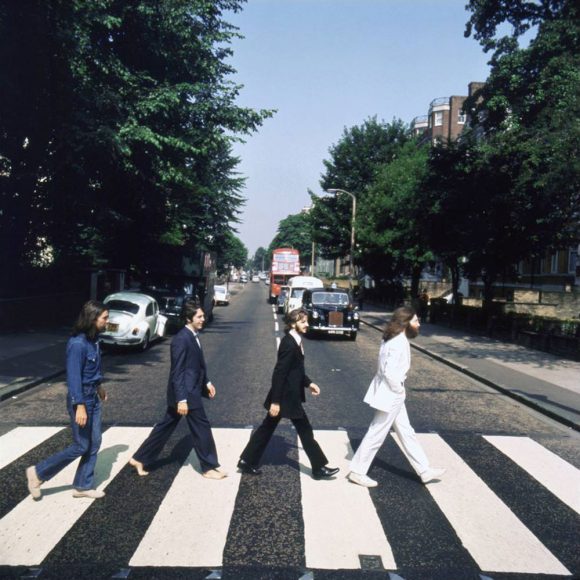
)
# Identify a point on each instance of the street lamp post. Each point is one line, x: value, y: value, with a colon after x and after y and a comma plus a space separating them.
x: 351, y: 269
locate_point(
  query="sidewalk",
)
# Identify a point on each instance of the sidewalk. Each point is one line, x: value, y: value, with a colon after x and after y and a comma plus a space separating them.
x: 30, y: 358
x: 540, y: 380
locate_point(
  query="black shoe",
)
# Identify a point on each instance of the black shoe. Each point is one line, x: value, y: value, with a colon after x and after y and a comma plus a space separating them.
x: 324, y: 472
x: 245, y: 467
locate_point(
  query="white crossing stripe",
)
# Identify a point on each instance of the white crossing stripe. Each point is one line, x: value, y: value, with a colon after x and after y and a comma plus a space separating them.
x: 555, y: 474
x: 340, y: 520
x: 191, y: 525
x: 496, y: 539
x: 21, y: 440
x: 33, y: 528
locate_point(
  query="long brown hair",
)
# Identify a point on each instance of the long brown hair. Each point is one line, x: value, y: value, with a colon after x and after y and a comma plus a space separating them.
x: 399, y: 322
x: 88, y: 315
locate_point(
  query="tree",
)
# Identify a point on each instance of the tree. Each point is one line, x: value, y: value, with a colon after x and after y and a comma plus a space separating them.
x: 353, y: 166
x: 389, y: 238
x: 528, y: 109
x: 295, y: 232
x: 262, y: 259
x: 123, y: 140
x: 232, y: 254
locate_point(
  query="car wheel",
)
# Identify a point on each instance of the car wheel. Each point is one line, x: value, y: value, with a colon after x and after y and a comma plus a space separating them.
x: 352, y: 335
x: 145, y: 344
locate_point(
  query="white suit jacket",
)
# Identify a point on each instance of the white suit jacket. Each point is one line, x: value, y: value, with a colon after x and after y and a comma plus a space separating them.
x: 388, y: 383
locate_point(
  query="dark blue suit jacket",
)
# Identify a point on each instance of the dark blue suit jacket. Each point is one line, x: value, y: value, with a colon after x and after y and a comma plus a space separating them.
x: 187, y: 377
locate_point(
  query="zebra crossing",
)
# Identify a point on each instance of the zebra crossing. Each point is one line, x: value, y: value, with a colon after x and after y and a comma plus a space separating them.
x: 482, y: 515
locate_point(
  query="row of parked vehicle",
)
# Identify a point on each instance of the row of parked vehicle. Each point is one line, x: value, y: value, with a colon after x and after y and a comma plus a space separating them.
x: 137, y: 319
x: 330, y: 310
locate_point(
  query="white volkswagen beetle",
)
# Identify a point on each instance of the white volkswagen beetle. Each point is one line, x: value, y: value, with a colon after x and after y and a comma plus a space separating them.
x: 134, y: 320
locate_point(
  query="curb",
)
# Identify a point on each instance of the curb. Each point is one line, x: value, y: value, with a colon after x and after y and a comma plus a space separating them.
x: 502, y: 389
x: 20, y: 386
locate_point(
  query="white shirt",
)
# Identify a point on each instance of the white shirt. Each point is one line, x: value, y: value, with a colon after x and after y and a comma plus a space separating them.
x: 296, y: 336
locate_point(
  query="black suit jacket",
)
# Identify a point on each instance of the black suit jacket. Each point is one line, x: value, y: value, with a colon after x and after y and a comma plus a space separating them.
x: 187, y: 377
x: 289, y: 380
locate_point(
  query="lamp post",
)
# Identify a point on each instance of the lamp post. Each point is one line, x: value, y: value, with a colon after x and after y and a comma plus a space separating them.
x: 351, y: 269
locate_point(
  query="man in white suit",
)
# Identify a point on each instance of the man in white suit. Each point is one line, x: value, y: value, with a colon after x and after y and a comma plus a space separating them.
x: 386, y: 395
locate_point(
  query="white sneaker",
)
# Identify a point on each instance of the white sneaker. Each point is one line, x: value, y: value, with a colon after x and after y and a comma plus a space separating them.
x: 363, y: 480
x: 432, y: 474
x: 90, y: 493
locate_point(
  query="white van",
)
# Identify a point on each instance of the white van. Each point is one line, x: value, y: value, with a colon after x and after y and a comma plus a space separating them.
x: 297, y: 285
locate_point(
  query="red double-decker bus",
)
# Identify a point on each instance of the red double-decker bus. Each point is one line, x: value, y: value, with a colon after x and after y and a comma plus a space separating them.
x: 285, y: 265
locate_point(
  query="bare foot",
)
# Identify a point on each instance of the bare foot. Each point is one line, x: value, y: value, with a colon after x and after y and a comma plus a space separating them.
x: 138, y: 467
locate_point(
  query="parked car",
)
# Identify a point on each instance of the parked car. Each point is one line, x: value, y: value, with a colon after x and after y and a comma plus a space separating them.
x: 244, y: 278
x: 134, y: 320
x: 171, y: 304
x: 281, y: 298
x: 330, y: 311
x: 221, y: 295
x: 255, y: 278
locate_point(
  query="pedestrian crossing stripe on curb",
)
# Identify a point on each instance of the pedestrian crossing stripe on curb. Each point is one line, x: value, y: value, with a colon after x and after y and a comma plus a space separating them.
x: 341, y: 523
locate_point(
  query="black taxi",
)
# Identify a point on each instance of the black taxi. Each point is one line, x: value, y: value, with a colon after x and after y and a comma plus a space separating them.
x: 330, y: 311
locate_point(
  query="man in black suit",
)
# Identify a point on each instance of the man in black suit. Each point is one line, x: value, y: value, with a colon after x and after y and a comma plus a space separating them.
x: 188, y: 383
x: 289, y: 382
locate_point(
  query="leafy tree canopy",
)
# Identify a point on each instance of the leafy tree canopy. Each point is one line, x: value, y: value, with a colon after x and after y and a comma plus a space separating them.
x: 294, y: 231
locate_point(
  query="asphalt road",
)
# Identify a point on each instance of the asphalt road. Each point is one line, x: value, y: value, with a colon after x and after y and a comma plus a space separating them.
x: 268, y: 531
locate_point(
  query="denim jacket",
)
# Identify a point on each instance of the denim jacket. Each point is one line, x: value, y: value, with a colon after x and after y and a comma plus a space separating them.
x: 83, y: 368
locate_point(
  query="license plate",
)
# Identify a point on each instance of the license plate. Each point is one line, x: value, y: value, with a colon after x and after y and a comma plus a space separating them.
x: 335, y: 332
x: 112, y: 327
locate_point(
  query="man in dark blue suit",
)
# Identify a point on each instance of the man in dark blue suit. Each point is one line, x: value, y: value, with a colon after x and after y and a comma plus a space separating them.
x: 188, y: 383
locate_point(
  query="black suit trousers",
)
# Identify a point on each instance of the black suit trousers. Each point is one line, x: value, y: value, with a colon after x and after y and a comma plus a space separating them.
x: 262, y: 435
x: 203, y: 441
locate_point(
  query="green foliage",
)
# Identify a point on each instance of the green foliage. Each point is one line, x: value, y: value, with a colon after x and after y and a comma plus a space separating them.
x: 262, y: 259
x: 232, y: 253
x: 118, y: 118
x: 354, y: 164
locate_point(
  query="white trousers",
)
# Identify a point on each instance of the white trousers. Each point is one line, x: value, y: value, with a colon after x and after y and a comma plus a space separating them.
x: 377, y: 432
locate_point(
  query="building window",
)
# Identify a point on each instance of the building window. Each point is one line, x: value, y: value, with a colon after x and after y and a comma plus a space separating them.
x: 438, y: 118
x: 554, y: 264
x: 461, y: 117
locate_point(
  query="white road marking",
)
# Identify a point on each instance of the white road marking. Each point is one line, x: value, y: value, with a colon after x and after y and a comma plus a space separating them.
x: 555, y: 474
x: 340, y: 520
x: 496, y: 539
x: 21, y: 440
x: 33, y: 528
x: 276, y: 326
x: 191, y: 525
x: 277, y: 342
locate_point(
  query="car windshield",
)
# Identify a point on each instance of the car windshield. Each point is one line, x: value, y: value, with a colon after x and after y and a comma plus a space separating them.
x: 123, y: 306
x: 334, y: 298
x: 219, y: 289
x: 297, y: 292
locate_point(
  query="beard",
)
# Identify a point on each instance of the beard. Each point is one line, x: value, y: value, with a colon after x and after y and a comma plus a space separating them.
x: 411, y: 332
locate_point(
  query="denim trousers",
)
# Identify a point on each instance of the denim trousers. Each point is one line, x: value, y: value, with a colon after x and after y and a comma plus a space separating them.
x: 86, y: 444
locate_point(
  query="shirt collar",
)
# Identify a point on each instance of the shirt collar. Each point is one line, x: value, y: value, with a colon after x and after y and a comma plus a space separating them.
x: 191, y: 330
x: 296, y: 336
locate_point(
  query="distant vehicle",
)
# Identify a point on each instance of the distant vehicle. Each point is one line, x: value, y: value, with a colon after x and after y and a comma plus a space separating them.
x: 255, y: 278
x: 244, y: 278
x: 281, y: 298
x: 221, y: 295
x: 305, y: 282
x: 285, y: 265
x: 293, y: 299
x: 262, y: 275
x: 330, y: 311
x: 134, y: 320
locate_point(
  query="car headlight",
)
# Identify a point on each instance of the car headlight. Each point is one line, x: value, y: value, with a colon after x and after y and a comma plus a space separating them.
x: 355, y: 315
x: 315, y: 314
